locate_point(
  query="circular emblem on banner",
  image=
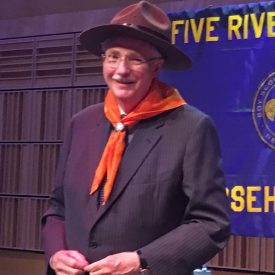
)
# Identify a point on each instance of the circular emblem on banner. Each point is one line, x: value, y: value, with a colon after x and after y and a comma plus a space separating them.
x: 264, y: 111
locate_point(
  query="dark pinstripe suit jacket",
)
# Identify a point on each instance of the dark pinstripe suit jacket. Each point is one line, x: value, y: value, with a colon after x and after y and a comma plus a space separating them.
x: 168, y: 199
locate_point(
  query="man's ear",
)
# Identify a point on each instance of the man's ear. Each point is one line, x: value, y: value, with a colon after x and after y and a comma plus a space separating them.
x: 158, y: 65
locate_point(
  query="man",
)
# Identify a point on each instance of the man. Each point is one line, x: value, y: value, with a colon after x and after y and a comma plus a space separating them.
x: 139, y: 187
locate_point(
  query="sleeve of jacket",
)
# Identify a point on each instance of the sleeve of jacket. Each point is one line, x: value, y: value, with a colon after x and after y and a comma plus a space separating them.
x: 53, y: 232
x: 205, y: 227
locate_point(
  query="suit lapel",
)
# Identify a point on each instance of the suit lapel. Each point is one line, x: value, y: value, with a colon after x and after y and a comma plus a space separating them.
x: 100, y: 134
x: 146, y: 136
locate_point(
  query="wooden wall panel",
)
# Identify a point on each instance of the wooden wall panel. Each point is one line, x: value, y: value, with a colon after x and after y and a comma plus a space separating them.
x: 43, y: 163
x: 20, y: 222
x: 83, y: 97
x: 50, y: 113
x: 15, y: 115
x: 242, y: 253
x: 14, y: 262
x: 16, y: 59
x: 267, y: 256
x: 87, y: 67
x: 47, y: 61
x: 14, y: 163
x: 27, y: 166
x: 28, y: 169
x: 53, y: 60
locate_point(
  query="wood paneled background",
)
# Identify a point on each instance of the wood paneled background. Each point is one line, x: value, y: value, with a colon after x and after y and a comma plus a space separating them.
x: 44, y: 80
x: 32, y: 124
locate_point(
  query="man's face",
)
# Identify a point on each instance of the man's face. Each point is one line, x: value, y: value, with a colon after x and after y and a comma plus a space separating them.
x: 127, y: 71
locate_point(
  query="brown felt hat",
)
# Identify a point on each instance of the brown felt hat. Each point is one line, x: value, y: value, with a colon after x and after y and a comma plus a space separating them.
x: 143, y: 21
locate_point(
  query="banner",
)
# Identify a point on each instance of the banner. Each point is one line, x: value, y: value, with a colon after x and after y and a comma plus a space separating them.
x: 233, y: 80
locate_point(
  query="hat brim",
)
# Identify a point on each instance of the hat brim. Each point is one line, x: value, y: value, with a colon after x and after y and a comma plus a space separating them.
x: 93, y: 38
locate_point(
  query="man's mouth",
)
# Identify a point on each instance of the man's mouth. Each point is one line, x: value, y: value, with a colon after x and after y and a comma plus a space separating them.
x: 122, y: 80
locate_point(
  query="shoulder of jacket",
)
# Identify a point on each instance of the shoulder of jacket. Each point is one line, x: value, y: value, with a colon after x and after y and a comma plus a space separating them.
x: 89, y: 112
x: 189, y: 112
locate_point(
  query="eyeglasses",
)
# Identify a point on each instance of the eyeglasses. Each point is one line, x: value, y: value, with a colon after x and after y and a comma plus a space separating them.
x: 113, y: 60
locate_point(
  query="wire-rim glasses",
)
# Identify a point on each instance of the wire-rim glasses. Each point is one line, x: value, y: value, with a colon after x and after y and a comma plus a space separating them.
x: 113, y: 60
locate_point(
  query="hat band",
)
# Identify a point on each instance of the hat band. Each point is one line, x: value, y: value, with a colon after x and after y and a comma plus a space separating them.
x: 142, y: 28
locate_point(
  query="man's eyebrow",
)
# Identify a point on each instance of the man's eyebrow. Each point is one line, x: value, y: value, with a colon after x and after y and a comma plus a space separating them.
x: 113, y: 51
x: 130, y: 54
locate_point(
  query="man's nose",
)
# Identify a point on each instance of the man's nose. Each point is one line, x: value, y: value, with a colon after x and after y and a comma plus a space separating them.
x: 123, y: 66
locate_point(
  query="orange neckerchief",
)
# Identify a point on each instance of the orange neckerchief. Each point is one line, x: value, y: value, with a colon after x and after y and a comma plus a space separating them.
x: 160, y: 98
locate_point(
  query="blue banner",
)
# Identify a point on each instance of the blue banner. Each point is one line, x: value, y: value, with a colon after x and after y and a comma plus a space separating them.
x: 233, y: 80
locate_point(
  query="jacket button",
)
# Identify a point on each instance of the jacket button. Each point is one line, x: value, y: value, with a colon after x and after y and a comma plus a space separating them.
x: 93, y: 244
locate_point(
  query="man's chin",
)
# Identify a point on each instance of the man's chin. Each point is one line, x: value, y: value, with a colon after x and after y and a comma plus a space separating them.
x: 123, y: 96
x: 124, y: 86
x: 124, y: 92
